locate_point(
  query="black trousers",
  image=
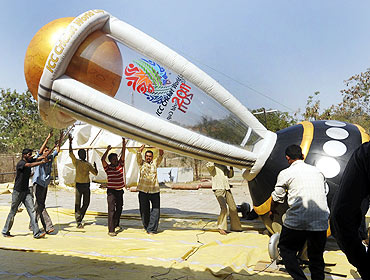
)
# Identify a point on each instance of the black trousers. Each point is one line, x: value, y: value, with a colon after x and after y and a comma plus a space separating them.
x: 292, y: 241
x: 41, y: 213
x: 82, y: 192
x: 115, y: 205
x: 150, y: 218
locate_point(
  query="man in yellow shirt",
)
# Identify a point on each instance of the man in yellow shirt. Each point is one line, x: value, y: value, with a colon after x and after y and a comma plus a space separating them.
x: 221, y: 188
x: 148, y: 188
x: 82, y: 180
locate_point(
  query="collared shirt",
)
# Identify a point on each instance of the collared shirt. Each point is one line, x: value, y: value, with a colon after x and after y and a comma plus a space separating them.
x: 42, y: 172
x: 148, y: 181
x: 115, y: 176
x: 82, y: 169
x: 306, y: 189
x: 220, y: 174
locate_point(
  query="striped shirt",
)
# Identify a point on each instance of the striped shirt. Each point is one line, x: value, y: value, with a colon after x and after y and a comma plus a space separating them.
x: 116, y: 180
x: 306, y: 189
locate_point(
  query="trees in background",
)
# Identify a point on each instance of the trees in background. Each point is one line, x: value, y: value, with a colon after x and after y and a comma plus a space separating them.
x: 20, y: 123
x: 353, y: 108
x: 274, y: 120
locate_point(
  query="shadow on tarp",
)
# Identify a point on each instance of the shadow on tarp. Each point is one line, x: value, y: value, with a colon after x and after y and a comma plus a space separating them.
x: 171, y: 218
x: 33, y: 265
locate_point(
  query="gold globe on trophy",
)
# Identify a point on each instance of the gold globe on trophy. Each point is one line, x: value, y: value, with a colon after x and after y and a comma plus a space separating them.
x: 96, y: 63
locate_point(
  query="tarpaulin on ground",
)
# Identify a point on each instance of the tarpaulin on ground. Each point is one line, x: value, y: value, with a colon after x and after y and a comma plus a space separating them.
x: 185, y: 248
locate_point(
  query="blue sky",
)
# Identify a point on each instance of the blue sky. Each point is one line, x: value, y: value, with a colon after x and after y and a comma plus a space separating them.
x: 271, y: 54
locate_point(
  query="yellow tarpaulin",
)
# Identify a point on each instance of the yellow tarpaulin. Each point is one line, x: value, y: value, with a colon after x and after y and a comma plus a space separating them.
x: 185, y: 248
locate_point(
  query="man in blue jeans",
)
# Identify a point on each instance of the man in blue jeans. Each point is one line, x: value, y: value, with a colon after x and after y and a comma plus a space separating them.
x: 41, y: 179
x: 21, y: 193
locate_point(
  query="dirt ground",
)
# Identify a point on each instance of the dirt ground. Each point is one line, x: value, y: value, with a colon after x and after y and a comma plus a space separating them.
x: 172, y: 201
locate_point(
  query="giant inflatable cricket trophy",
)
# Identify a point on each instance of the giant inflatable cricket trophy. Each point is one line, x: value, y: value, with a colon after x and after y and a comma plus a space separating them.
x: 98, y: 69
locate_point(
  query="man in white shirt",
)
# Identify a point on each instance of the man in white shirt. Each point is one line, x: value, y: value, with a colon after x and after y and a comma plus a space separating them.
x: 307, y: 216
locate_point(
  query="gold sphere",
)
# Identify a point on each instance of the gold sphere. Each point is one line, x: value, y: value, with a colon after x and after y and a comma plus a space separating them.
x: 39, y: 49
x: 96, y: 63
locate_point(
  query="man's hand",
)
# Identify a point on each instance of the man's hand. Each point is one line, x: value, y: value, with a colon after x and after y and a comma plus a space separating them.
x: 141, y: 148
x: 161, y: 152
x: 95, y: 165
x: 70, y: 137
x: 109, y: 147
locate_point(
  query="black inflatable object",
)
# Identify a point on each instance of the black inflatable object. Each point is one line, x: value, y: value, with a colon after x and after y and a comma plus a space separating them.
x: 247, y: 212
x: 261, y: 187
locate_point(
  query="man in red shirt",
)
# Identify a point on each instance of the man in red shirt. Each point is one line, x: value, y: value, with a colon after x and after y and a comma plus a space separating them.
x: 115, y: 185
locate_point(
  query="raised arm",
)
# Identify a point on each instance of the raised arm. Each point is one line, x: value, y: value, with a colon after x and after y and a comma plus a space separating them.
x: 122, y: 157
x: 104, y: 157
x: 230, y: 174
x: 160, y: 157
x: 139, y: 157
x: 70, y: 143
x: 60, y: 141
x: 46, y: 142
x: 94, y: 169
x: 71, y: 154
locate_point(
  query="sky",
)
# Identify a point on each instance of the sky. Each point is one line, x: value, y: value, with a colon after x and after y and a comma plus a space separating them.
x: 271, y: 54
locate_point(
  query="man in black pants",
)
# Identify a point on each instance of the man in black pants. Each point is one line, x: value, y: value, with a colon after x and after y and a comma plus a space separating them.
x: 82, y: 180
x: 346, y: 214
x: 148, y: 188
x: 116, y: 181
x: 307, y: 216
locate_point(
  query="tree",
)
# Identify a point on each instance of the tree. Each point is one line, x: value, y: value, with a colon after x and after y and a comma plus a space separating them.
x: 275, y: 120
x: 228, y: 129
x: 354, y: 105
x: 20, y: 123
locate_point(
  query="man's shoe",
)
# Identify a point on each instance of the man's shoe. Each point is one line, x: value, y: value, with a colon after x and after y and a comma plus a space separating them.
x: 80, y: 225
x: 7, y: 235
x: 112, y: 234
x: 50, y: 231
x: 41, y: 234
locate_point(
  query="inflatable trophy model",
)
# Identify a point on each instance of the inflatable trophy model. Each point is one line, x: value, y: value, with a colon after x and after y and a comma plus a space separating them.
x: 98, y: 69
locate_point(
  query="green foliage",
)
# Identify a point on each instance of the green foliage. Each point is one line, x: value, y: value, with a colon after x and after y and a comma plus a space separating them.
x: 355, y: 104
x: 354, y: 107
x: 228, y: 129
x: 274, y: 120
x: 20, y: 124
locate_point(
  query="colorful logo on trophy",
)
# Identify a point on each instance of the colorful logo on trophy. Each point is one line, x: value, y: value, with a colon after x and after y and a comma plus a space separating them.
x: 149, y: 78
